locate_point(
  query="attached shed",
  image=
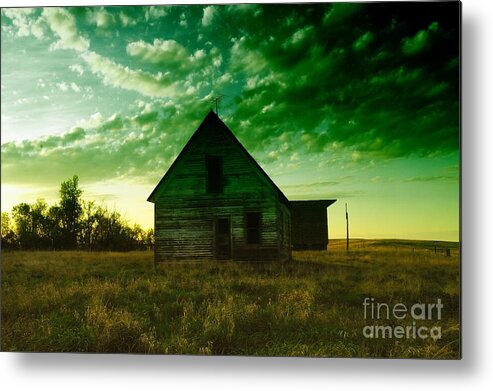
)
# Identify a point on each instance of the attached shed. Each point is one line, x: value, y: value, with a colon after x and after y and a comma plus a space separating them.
x: 216, y: 202
x: 310, y: 225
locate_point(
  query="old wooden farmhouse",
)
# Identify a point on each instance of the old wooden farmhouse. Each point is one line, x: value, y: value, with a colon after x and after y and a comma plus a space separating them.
x: 216, y: 202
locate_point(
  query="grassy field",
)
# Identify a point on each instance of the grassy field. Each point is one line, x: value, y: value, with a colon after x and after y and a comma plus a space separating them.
x: 312, y: 306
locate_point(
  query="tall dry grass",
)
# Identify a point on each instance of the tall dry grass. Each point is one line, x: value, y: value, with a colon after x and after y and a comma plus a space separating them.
x: 312, y: 306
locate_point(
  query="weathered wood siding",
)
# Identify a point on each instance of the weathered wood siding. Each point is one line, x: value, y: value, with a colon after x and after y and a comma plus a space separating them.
x: 187, y: 232
x: 185, y: 213
x: 284, y: 231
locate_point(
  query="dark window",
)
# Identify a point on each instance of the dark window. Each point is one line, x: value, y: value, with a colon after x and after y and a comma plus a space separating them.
x: 214, y: 166
x: 253, y: 227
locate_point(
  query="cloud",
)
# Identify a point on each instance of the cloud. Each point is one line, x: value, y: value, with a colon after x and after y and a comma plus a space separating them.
x: 311, y: 185
x: 245, y: 58
x: 433, y: 178
x: 181, y: 72
x: 337, y: 195
x: 63, y: 86
x: 189, y: 70
x: 117, y: 147
x: 363, y: 41
x: 300, y: 36
x: 103, y: 19
x: 75, y: 87
x: 339, y: 12
x: 126, y: 20
x: 77, y: 68
x: 164, y: 52
x: 209, y: 13
x: 245, y: 10
x: 183, y: 20
x: 140, y: 146
x: 153, y: 13
x: 417, y: 43
x: 329, y: 98
x: 303, y: 81
x: 117, y: 75
x: 25, y: 21
x: 63, y: 24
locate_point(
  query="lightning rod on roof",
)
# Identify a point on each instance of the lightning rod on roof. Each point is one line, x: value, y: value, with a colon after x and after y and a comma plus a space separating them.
x: 216, y: 101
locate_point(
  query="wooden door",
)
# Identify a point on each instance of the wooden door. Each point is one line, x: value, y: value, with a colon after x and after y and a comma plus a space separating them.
x: 222, y: 238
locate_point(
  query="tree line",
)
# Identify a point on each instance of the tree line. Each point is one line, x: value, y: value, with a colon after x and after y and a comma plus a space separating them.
x: 72, y: 223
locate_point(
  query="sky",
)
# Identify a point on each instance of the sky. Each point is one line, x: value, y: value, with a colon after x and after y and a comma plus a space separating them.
x: 354, y: 102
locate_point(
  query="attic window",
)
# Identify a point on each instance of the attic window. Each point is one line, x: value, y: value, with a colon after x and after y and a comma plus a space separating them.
x: 253, y: 227
x: 214, y: 165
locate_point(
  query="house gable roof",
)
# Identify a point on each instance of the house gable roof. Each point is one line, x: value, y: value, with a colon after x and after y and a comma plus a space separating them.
x: 213, y: 120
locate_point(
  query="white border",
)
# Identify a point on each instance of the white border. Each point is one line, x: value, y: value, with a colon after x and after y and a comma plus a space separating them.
x: 121, y: 372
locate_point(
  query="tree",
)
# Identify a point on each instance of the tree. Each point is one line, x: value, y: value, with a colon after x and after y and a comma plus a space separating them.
x: 22, y: 217
x: 54, y: 228
x: 138, y: 237
x: 149, y: 239
x: 73, y: 223
x: 88, y: 225
x: 32, y: 225
x: 70, y: 211
x: 9, y: 239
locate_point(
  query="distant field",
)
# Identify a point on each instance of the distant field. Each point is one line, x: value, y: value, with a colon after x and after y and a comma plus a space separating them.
x: 401, y: 245
x: 312, y: 306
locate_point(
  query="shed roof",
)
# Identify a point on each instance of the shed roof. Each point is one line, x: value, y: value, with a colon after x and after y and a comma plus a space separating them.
x: 311, y: 203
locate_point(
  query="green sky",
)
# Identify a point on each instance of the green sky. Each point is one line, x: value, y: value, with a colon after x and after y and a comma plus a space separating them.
x: 349, y: 101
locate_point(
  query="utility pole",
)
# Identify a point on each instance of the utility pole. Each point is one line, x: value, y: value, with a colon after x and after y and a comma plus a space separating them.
x: 347, y: 230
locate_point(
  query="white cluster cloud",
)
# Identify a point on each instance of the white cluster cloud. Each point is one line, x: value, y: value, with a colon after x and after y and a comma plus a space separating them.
x: 24, y: 22
x: 161, y: 51
x: 183, y: 20
x: 174, y: 57
x: 300, y: 36
x: 101, y: 18
x: 417, y: 43
x: 114, y: 74
x: 250, y: 10
x: 209, y: 13
x: 140, y: 144
x: 29, y: 22
x: 77, y: 68
x: 64, y: 87
x: 63, y: 24
x: 278, y: 73
x: 246, y: 59
x: 184, y: 70
x: 126, y: 20
x: 155, y: 13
